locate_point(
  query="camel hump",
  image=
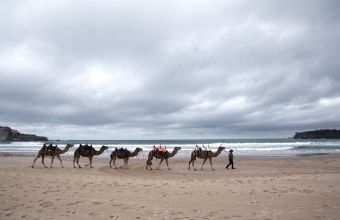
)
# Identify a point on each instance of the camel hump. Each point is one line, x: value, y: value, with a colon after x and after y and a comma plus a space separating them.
x: 52, y: 148
x: 159, y: 149
x: 121, y: 152
x: 86, y: 147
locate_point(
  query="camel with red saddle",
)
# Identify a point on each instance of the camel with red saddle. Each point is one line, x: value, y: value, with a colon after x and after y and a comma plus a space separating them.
x: 162, y: 155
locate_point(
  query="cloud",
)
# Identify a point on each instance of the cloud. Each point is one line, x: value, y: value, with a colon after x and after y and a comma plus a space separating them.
x: 112, y: 69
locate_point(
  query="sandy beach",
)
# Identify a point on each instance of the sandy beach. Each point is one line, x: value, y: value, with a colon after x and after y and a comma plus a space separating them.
x: 300, y: 187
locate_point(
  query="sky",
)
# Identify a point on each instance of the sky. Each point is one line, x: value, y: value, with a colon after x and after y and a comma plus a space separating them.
x: 148, y: 69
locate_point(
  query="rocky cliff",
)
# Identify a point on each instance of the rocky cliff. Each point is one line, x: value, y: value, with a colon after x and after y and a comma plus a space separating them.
x: 8, y: 134
x: 318, y: 134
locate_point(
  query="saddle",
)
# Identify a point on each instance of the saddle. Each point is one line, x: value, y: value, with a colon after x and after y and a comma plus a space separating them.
x: 121, y: 152
x: 86, y: 148
x: 198, y: 151
x: 50, y: 148
x: 160, y: 151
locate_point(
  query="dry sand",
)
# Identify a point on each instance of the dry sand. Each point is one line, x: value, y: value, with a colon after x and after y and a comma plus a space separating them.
x: 304, y: 187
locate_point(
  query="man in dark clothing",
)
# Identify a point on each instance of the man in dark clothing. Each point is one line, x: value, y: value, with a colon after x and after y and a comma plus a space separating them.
x: 231, y: 160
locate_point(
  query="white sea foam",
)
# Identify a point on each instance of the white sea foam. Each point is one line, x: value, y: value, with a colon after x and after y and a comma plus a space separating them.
x: 241, y: 147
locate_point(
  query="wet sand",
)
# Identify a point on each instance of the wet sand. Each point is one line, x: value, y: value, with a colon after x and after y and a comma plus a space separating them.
x: 301, y: 187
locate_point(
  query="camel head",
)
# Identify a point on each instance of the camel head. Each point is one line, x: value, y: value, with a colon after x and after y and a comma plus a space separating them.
x: 104, y: 147
x: 138, y: 149
x: 70, y: 145
x: 220, y: 148
x: 177, y: 148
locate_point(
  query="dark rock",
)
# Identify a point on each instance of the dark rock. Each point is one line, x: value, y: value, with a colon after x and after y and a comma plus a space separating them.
x: 8, y: 134
x: 318, y: 134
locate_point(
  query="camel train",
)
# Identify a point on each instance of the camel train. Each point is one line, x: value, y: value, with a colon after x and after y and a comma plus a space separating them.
x: 124, y: 154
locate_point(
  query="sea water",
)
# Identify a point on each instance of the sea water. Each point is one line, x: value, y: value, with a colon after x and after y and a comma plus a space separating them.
x: 247, y: 147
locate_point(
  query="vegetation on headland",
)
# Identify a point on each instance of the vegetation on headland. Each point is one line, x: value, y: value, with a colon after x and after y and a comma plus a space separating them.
x: 9, y: 134
x: 318, y: 134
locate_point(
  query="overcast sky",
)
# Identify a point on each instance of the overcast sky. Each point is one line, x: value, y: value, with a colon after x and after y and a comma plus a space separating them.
x: 169, y: 69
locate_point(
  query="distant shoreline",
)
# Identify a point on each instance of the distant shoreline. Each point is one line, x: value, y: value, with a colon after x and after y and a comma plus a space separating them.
x: 318, y: 134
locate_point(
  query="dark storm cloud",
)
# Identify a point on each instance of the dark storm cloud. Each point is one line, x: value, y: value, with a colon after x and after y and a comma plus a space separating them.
x: 111, y: 69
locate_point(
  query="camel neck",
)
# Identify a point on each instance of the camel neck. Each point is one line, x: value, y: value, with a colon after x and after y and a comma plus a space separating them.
x: 98, y: 152
x: 134, y: 153
x: 174, y: 152
x: 65, y: 149
x: 218, y: 152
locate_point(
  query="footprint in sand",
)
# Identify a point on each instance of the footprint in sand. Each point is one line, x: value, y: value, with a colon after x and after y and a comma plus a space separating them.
x: 45, y: 204
x: 9, y: 214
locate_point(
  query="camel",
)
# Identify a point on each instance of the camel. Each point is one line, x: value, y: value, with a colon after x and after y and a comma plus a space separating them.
x: 87, y: 151
x: 162, y: 156
x: 203, y: 154
x: 52, y: 151
x: 123, y: 154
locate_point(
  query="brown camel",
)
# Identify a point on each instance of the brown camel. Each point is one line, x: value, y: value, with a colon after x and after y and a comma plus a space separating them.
x: 203, y: 154
x: 123, y: 154
x: 162, y: 156
x: 52, y: 151
x: 87, y: 151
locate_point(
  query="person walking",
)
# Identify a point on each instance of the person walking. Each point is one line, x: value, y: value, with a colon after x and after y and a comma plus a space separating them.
x: 231, y: 160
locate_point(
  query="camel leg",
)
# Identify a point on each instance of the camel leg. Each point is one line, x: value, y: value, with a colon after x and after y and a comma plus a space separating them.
x: 114, y: 162
x: 160, y: 162
x: 192, y: 160
x: 42, y: 161
x: 205, y: 159
x: 110, y: 163
x: 36, y: 158
x: 167, y: 164
x: 61, y: 162
x: 52, y: 161
x: 210, y: 160
x: 111, y: 160
x: 78, y: 162
x: 74, y: 160
x: 148, y: 164
x: 193, y: 164
x: 90, y: 158
x: 126, y: 160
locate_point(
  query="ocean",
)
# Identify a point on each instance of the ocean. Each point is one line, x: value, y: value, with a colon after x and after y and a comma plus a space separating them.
x: 246, y: 147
